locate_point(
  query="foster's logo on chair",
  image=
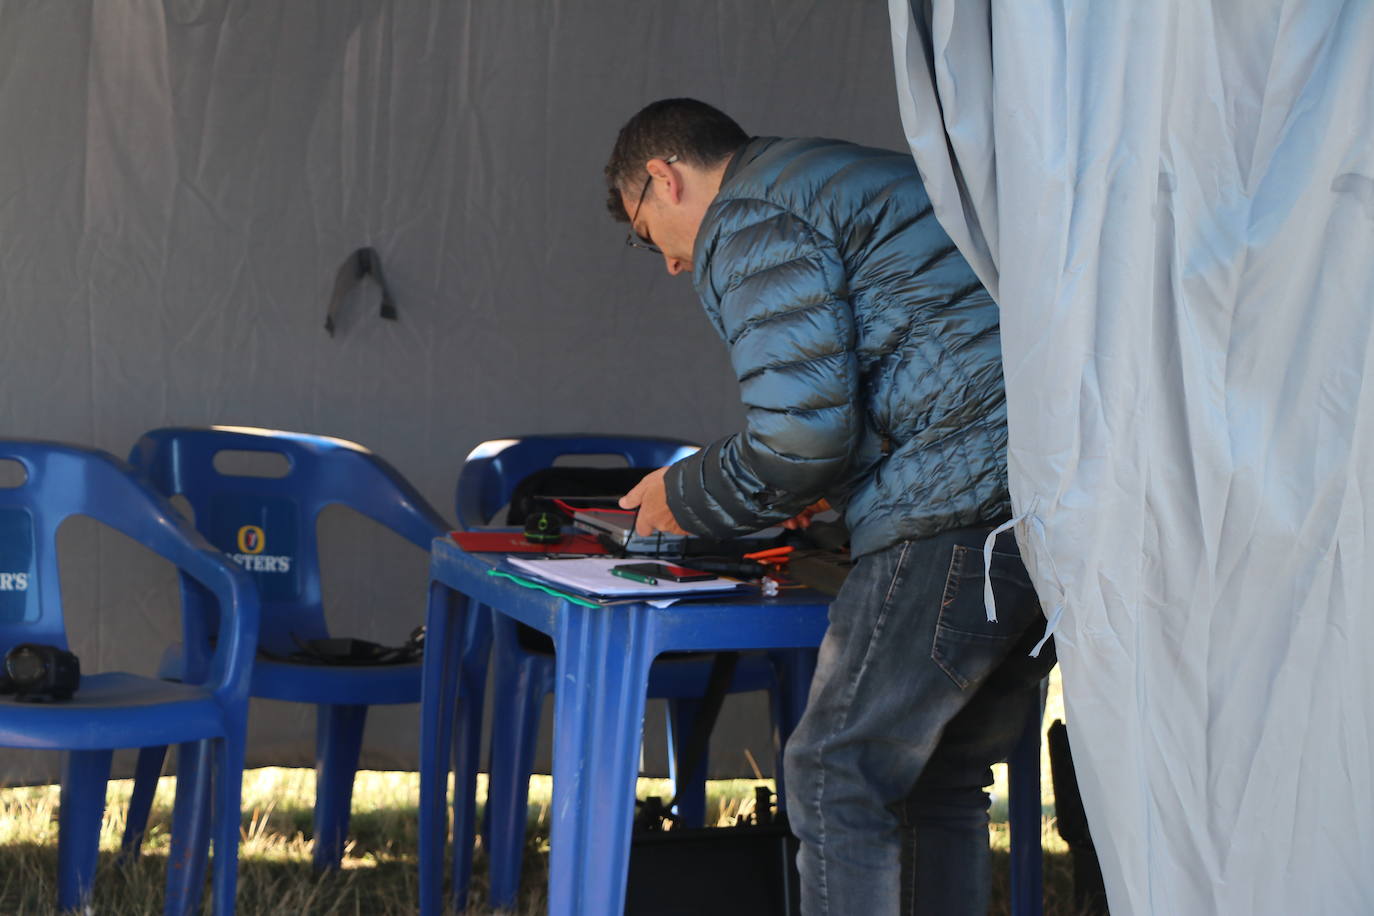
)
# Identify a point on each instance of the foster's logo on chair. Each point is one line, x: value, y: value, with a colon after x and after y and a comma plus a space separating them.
x: 252, y: 541
x: 260, y: 535
x: 17, y: 579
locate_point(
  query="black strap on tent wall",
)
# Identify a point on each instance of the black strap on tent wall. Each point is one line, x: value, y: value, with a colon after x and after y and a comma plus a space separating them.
x: 365, y: 262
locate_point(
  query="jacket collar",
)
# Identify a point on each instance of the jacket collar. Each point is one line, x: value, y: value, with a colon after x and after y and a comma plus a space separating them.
x: 747, y: 153
x: 751, y: 150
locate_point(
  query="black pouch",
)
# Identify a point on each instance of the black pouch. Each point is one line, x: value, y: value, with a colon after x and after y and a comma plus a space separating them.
x: 353, y: 652
x: 724, y: 871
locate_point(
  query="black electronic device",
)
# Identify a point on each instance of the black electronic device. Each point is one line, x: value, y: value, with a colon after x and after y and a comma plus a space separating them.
x: 37, y: 672
x: 543, y: 527
x: 756, y: 861
x: 667, y: 572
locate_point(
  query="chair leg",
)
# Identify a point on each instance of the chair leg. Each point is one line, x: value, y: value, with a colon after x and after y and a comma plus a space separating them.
x: 338, y: 742
x: 1023, y: 818
x: 146, y: 773
x: 190, y: 828
x: 228, y: 819
x: 513, y: 740
x: 689, y: 788
x: 84, y: 777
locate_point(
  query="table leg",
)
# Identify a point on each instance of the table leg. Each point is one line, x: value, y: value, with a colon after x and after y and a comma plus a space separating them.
x: 438, y: 691
x: 603, y: 658
x: 470, y: 683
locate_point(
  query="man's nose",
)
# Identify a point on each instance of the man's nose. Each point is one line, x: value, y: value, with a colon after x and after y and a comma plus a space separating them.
x: 675, y: 265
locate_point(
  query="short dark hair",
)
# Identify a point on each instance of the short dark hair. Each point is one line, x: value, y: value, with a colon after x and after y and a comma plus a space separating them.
x: 693, y: 131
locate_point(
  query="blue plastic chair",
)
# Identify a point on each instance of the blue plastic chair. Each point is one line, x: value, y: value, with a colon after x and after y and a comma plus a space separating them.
x: 205, y: 715
x: 268, y: 525
x: 522, y: 678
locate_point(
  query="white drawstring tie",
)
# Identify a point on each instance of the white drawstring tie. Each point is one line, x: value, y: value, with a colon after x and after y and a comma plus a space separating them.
x: 990, y: 601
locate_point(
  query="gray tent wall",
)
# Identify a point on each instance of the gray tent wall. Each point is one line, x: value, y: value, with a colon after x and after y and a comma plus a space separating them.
x: 180, y: 181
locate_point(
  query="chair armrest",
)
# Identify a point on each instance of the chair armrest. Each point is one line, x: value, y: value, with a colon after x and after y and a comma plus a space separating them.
x: 134, y: 509
x: 392, y: 502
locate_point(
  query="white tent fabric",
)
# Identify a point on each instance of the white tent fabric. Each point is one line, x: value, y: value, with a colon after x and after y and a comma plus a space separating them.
x: 1174, y: 205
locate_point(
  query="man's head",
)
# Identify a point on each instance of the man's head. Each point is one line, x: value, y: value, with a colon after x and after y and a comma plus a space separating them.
x: 665, y: 170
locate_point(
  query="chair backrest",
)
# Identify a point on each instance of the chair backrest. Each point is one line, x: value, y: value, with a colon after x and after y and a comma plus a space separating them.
x: 267, y: 524
x: 493, y: 469
x: 65, y: 480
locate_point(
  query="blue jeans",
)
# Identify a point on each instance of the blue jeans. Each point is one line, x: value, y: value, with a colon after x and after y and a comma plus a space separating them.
x: 915, y: 696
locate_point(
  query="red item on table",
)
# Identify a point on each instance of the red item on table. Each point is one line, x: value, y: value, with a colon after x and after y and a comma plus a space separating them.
x: 514, y: 542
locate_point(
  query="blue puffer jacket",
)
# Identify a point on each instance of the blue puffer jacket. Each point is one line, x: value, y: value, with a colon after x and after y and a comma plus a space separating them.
x: 866, y: 350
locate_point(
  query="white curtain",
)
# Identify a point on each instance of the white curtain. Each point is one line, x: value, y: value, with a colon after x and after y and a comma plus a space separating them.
x: 1174, y: 205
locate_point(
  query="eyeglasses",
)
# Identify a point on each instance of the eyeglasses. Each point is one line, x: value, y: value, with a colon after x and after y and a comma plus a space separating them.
x: 633, y: 238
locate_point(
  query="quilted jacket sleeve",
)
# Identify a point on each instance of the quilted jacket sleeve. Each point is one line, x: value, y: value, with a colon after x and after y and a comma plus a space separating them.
x: 777, y: 291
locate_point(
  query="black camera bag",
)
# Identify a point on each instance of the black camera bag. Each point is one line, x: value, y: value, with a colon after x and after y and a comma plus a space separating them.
x: 745, y: 870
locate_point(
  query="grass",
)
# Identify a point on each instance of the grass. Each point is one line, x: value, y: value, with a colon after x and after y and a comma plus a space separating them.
x: 378, y: 877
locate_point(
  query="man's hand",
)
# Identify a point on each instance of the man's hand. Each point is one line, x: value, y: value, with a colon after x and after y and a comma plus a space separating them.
x: 803, y: 518
x: 650, y: 497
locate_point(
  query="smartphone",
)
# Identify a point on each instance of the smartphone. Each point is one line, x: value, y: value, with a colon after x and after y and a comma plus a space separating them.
x: 667, y: 572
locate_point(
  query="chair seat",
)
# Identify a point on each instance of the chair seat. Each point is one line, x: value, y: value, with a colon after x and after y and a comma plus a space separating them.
x: 113, y: 710
x: 337, y: 685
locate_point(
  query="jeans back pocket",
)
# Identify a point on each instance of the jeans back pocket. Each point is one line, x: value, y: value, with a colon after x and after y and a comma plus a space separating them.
x: 967, y: 646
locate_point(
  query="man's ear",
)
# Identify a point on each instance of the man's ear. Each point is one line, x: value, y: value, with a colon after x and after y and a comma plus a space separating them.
x: 667, y: 180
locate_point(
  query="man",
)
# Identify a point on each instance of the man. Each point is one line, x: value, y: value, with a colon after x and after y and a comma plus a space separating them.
x: 869, y: 361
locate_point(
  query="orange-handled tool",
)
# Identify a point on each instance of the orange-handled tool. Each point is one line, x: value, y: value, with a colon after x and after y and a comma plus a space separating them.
x: 773, y: 556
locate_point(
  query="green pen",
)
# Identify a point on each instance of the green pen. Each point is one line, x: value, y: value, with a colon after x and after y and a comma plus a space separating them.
x: 633, y: 576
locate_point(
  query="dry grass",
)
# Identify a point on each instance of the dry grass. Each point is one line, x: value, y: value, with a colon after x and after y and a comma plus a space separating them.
x: 378, y: 877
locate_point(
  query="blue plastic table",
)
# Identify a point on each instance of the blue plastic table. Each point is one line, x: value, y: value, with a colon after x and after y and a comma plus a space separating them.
x: 603, y: 659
